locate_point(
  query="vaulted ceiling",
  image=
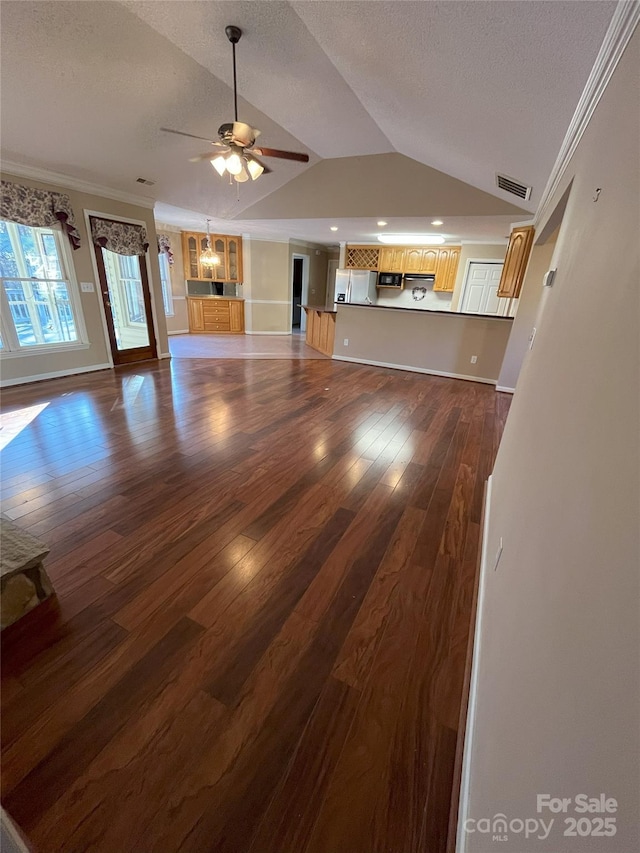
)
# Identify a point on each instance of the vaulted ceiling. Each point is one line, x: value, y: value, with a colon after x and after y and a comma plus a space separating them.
x: 467, y: 89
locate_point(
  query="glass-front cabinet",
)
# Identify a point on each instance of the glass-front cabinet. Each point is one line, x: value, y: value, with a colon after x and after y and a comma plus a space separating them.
x: 228, y: 248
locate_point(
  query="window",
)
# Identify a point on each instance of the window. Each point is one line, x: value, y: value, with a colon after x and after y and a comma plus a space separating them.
x: 165, y: 281
x: 38, y: 300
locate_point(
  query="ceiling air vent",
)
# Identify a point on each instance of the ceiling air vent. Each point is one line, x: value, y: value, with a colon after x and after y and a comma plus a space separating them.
x: 145, y: 182
x: 510, y: 185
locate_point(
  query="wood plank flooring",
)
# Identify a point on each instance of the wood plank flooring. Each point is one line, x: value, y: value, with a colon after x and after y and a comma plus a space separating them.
x: 265, y: 572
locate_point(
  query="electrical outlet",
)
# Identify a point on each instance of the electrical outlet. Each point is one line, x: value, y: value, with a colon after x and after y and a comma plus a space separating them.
x: 474, y: 359
x: 498, y: 555
x: 86, y: 286
x: 532, y: 337
x: 346, y: 342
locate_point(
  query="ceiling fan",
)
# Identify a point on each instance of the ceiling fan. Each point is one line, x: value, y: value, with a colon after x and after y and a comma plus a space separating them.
x: 237, y: 139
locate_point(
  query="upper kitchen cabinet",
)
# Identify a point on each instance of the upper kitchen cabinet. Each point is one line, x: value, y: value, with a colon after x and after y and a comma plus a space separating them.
x: 234, y: 259
x: 515, y: 262
x: 420, y: 260
x: 391, y: 259
x: 228, y: 249
x: 447, y: 269
x: 362, y: 257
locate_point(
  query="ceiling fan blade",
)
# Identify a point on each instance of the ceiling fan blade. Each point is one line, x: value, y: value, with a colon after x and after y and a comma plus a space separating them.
x: 208, y: 155
x: 282, y: 155
x: 251, y: 156
x: 191, y: 135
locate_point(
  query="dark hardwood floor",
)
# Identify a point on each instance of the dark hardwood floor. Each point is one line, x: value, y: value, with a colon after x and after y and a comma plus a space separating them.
x: 264, y: 572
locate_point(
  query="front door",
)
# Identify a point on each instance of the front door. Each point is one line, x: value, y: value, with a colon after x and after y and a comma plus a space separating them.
x: 124, y: 285
x: 481, y: 290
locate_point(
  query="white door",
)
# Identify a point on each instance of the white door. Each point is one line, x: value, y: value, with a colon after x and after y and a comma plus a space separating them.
x: 481, y: 290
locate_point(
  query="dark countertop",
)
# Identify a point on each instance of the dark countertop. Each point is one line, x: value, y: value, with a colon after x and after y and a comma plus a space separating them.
x: 329, y: 308
x: 212, y: 296
x: 423, y: 311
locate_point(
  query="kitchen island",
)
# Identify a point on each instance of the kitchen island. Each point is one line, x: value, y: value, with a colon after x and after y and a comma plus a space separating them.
x: 321, y: 327
x: 444, y: 343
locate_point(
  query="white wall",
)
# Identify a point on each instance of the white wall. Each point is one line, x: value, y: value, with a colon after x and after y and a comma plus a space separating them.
x: 525, y: 318
x: 557, y: 698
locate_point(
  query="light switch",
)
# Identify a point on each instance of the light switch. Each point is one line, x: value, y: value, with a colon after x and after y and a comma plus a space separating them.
x: 87, y: 286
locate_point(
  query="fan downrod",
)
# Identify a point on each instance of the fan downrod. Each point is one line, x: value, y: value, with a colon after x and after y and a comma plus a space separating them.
x: 233, y: 33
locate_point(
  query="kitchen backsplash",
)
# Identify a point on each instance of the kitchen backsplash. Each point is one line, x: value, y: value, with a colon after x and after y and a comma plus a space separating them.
x: 423, y: 298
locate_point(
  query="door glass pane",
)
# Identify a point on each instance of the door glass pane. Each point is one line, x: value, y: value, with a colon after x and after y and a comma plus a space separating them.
x: 233, y: 259
x: 126, y: 298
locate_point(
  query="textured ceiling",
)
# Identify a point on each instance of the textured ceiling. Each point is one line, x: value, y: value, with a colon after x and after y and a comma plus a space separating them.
x: 467, y: 88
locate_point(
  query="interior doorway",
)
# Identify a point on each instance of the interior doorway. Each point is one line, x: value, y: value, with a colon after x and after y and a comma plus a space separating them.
x: 124, y: 285
x: 480, y: 293
x: 299, y: 292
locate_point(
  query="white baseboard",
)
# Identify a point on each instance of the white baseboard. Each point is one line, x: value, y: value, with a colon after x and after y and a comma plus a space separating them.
x: 267, y: 333
x: 505, y: 388
x: 179, y: 332
x: 165, y: 355
x: 55, y: 374
x: 414, y: 369
x: 463, y: 808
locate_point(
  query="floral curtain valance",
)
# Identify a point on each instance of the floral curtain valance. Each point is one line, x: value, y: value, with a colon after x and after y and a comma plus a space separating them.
x: 38, y: 209
x: 123, y: 238
x: 164, y: 245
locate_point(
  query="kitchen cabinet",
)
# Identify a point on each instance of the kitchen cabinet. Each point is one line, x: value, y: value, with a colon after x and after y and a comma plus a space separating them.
x: 391, y: 259
x: 420, y: 260
x: 228, y: 248
x: 446, y: 269
x: 515, y: 262
x: 362, y: 258
x: 216, y: 315
x: 321, y: 329
x: 413, y: 259
x: 424, y: 260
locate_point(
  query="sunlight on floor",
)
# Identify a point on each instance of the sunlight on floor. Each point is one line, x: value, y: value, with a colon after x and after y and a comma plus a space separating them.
x: 12, y: 423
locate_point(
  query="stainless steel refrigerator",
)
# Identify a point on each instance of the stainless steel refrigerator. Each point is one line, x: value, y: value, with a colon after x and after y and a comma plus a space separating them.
x: 357, y: 286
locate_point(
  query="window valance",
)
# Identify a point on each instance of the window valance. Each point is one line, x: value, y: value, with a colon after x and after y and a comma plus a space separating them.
x: 164, y: 245
x: 38, y: 209
x: 123, y: 238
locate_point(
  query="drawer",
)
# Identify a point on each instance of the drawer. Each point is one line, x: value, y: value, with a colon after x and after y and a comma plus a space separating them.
x: 216, y: 310
x: 210, y: 326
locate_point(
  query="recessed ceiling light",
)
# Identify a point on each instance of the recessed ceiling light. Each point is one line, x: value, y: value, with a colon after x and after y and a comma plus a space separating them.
x: 333, y: 228
x: 382, y: 223
x: 411, y: 239
x: 437, y: 222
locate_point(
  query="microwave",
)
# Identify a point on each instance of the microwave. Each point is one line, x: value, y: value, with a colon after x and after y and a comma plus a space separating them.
x: 390, y: 279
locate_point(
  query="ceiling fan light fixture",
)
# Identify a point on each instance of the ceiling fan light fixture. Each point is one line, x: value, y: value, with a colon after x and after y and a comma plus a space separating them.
x: 243, y: 175
x: 219, y: 164
x: 255, y: 168
x: 234, y: 164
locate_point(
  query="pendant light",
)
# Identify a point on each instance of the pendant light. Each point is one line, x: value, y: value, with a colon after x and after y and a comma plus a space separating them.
x: 208, y: 257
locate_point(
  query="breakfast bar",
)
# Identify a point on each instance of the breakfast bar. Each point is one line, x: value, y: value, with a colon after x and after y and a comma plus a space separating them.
x: 321, y: 327
x: 444, y: 343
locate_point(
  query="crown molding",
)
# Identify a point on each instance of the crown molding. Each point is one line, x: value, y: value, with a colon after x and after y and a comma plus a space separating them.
x: 621, y: 28
x: 21, y: 170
